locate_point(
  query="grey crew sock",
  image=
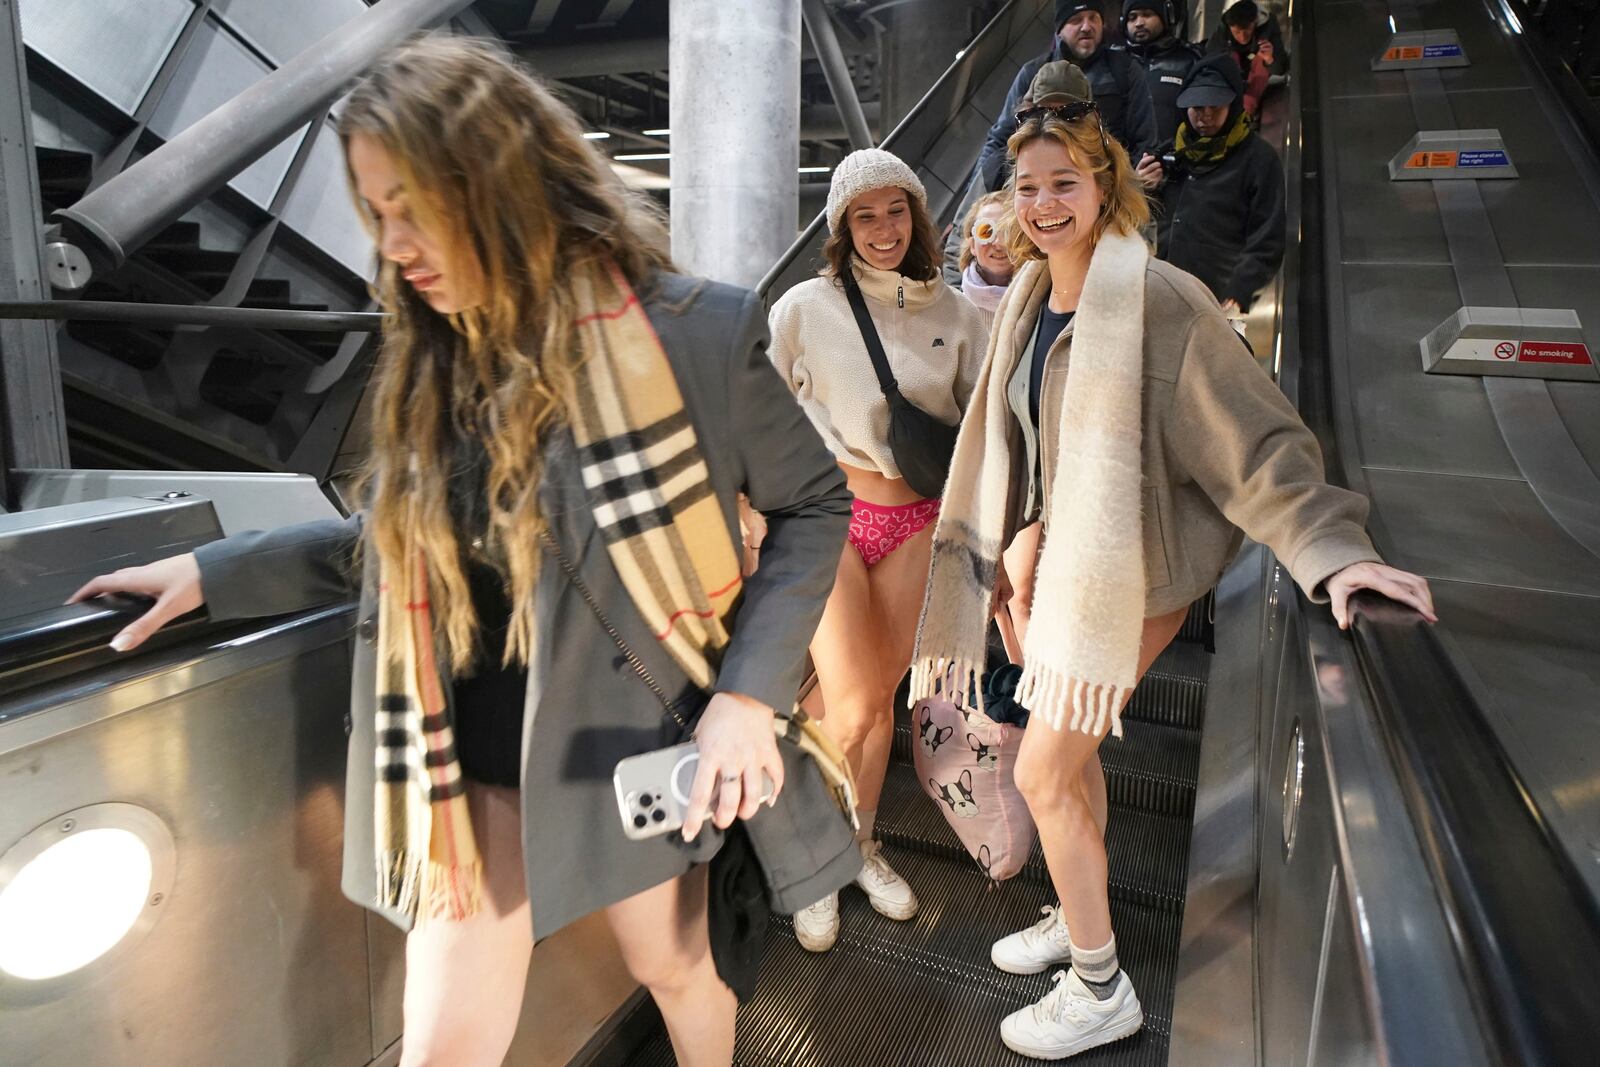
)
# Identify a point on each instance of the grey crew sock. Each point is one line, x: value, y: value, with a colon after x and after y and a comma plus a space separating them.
x: 867, y: 819
x: 1097, y: 967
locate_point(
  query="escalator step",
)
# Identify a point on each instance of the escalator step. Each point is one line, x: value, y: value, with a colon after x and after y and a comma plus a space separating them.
x: 923, y: 992
x: 1148, y: 852
x: 1173, y: 691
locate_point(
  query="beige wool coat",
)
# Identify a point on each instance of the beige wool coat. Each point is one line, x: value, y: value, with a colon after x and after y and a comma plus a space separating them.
x: 1224, y: 452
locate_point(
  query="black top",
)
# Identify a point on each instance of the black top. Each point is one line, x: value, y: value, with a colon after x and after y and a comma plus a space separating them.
x: 1051, y: 323
x: 488, y: 703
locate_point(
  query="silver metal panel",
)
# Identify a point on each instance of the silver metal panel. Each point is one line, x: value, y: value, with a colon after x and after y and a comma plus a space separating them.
x: 281, y: 29
x: 243, y: 501
x: 46, y: 557
x: 1213, y: 1011
x: 1409, y: 419
x: 1563, y: 481
x: 321, y: 210
x: 1379, y: 220
x: 1579, y: 407
x: 1447, y: 152
x: 1343, y: 1035
x: 1532, y: 660
x: 115, y: 49
x: 1484, y: 530
x: 1422, y: 48
x: 216, y: 69
x: 256, y: 958
x: 1546, y: 216
x: 951, y: 156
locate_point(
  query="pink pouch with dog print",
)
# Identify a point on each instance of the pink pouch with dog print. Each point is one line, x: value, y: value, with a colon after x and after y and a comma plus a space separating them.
x: 966, y: 762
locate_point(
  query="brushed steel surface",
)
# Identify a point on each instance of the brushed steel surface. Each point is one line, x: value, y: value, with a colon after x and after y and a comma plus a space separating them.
x: 257, y: 959
x: 1378, y: 220
x: 45, y: 556
x: 243, y: 500
x: 114, y: 49
x: 1213, y: 1009
x: 1548, y: 457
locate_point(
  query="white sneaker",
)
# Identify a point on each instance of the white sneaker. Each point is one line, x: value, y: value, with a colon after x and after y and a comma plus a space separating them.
x: 1069, y: 1019
x: 817, y: 927
x: 1042, y: 945
x: 888, y: 893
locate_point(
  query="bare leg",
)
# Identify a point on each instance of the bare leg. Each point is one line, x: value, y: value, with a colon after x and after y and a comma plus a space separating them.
x: 898, y: 584
x: 1050, y: 774
x: 843, y: 650
x: 663, y: 936
x: 486, y: 954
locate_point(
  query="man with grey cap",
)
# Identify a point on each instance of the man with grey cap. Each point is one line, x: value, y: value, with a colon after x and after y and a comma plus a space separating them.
x: 1222, y: 216
x: 1116, y: 80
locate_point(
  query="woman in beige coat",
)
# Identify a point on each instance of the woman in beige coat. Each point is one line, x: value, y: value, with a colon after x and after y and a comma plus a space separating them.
x: 1115, y: 398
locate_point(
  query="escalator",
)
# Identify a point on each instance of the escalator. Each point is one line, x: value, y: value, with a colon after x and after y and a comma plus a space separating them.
x: 924, y: 992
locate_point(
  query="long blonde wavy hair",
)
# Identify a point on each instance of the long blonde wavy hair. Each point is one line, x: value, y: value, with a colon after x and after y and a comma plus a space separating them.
x: 496, y: 170
x: 1124, y: 206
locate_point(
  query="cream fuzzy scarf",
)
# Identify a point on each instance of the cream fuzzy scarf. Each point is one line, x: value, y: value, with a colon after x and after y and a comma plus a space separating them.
x: 1082, y: 651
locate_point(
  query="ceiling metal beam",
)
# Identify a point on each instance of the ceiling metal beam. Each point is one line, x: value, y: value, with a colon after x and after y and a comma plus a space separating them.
x: 544, y: 13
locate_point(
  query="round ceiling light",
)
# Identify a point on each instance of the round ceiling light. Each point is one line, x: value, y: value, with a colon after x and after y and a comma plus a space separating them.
x: 74, y: 889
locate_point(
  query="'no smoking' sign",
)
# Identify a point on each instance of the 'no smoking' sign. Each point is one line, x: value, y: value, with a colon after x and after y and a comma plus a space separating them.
x: 1505, y: 350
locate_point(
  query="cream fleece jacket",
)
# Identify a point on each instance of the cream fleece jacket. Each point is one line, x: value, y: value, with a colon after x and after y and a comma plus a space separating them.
x: 934, y: 337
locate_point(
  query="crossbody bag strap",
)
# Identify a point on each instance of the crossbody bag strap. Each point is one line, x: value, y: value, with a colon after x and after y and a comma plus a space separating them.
x: 616, y: 638
x: 869, y: 334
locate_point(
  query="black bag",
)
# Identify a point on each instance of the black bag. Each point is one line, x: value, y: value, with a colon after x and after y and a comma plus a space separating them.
x: 922, y: 445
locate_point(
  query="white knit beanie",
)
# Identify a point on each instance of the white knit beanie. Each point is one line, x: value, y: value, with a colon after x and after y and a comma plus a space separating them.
x: 864, y: 170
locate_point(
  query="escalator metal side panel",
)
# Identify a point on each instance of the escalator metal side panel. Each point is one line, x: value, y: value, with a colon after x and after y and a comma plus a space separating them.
x: 243, y: 500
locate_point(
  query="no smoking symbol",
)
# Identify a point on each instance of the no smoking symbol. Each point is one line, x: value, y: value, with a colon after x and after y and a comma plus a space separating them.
x: 1504, y: 350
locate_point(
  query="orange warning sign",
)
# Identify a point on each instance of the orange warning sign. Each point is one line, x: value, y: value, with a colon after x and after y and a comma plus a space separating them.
x: 1429, y: 160
x: 1395, y: 55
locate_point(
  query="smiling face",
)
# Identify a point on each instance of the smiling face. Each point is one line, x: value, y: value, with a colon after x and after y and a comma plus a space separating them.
x: 1145, y: 26
x: 1082, y: 34
x: 880, y: 227
x: 992, y: 258
x: 1207, y: 121
x: 1056, y: 201
x: 421, y: 257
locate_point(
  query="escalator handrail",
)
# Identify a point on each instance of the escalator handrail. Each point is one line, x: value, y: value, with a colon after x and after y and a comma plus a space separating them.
x: 138, y: 313
x: 999, y: 24
x: 1527, y: 931
x: 43, y: 636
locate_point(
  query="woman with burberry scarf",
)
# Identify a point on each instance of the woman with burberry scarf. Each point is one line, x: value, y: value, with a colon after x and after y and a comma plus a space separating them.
x: 1117, y: 405
x: 561, y: 427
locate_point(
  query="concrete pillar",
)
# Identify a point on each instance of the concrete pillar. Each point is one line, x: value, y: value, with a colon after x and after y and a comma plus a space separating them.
x: 735, y: 116
x: 922, y: 41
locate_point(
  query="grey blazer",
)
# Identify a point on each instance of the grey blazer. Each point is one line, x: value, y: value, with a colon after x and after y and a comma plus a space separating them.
x: 585, y: 708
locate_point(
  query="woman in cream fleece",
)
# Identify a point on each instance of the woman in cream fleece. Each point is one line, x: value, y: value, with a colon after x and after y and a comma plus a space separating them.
x: 934, y: 340
x: 1117, y: 404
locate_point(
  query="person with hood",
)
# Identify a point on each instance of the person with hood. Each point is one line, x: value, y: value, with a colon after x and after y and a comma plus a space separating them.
x: 1119, y: 89
x: 1253, y: 40
x: 1222, y: 216
x: 1152, y: 30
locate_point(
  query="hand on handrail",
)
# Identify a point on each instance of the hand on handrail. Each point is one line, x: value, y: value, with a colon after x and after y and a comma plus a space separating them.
x: 1403, y: 586
x: 174, y: 582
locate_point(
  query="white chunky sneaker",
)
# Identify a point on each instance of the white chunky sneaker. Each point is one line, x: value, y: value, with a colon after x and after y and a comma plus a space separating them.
x: 817, y: 927
x: 1069, y: 1019
x: 888, y: 893
x: 1044, y: 944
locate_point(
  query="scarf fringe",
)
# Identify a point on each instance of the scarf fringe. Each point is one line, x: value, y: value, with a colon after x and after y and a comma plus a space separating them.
x: 1050, y: 694
x: 936, y: 676
x: 428, y: 890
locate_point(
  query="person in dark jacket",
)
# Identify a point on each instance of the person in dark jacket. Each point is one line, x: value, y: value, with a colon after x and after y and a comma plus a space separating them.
x: 1253, y: 40
x: 1151, y: 28
x: 1222, y: 216
x: 1119, y: 92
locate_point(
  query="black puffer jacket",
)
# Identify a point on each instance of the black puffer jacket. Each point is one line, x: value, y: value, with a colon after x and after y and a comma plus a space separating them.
x: 1166, y: 63
x: 1224, y: 222
x: 1119, y: 91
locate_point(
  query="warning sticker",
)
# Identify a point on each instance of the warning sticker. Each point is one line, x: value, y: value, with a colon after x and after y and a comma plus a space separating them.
x: 1440, y: 51
x: 1432, y: 160
x: 1553, y: 352
x: 1489, y: 158
x: 1489, y: 349
x: 1396, y: 55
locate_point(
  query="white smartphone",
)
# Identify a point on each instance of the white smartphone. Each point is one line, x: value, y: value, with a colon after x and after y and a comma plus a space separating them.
x: 653, y: 790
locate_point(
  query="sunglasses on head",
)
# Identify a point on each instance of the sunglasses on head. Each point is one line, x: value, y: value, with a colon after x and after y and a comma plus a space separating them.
x: 1071, y: 111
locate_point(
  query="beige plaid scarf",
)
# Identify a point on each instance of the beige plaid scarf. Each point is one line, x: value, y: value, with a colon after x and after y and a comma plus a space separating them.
x: 668, y: 539
x: 1081, y: 655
